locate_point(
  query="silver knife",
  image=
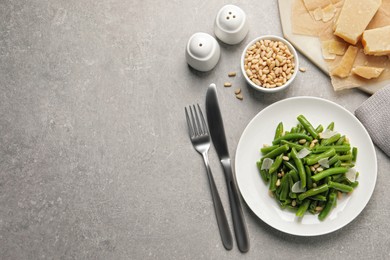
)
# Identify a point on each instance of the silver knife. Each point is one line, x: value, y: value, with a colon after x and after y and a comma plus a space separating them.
x: 217, y: 132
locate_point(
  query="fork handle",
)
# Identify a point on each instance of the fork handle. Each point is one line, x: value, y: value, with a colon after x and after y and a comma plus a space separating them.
x: 224, y: 230
x: 235, y: 206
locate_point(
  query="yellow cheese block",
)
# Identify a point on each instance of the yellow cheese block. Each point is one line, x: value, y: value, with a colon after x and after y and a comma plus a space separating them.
x: 328, y: 13
x: 311, y: 5
x: 354, y: 18
x: 335, y: 47
x: 343, y: 69
x: 367, y: 72
x: 377, y: 41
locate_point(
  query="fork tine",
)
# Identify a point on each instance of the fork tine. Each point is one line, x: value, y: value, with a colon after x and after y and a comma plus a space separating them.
x: 190, y: 130
x: 200, y: 129
x: 205, y: 128
x: 195, y: 128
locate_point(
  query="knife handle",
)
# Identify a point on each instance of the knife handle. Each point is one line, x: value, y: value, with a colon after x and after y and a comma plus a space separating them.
x: 240, y: 229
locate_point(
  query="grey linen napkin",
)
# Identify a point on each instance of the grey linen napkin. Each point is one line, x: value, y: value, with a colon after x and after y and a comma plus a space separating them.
x: 374, y: 114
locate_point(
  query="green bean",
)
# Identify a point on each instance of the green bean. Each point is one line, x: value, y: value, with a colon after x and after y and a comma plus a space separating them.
x: 297, y: 147
x: 290, y: 165
x: 276, y: 164
x: 331, y: 126
x: 326, y: 154
x: 328, y: 172
x: 279, y: 130
x: 340, y: 186
x: 330, y: 140
x: 291, y: 183
x: 294, y: 175
x: 347, y: 157
x: 313, y: 206
x: 318, y: 197
x: 303, y: 208
x: 309, y: 181
x: 354, y: 184
x: 268, y: 149
x: 341, y: 140
x: 284, y: 204
x: 354, y: 153
x: 329, y: 205
x: 347, y: 164
x: 308, y: 126
x: 319, y: 129
x: 263, y: 173
x: 273, y: 180
x: 313, y: 191
x: 332, y: 160
x: 338, y: 148
x: 299, y: 165
x: 292, y: 136
x: 337, y: 164
x: 285, y: 188
x: 294, y: 129
x: 277, y: 151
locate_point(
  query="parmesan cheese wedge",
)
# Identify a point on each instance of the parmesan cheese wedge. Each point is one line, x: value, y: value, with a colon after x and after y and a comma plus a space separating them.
x: 354, y: 17
x: 367, y: 72
x: 317, y: 13
x: 377, y: 41
x: 328, y: 13
x: 311, y: 5
x: 335, y: 47
x: 343, y: 69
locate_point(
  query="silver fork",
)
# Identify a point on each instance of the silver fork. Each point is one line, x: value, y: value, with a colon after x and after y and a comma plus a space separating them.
x: 200, y: 138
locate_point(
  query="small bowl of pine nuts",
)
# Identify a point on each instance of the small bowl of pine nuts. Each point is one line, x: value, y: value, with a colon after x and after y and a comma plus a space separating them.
x: 269, y: 63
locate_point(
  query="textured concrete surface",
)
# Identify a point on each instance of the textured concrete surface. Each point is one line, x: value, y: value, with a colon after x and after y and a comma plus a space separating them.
x: 95, y: 161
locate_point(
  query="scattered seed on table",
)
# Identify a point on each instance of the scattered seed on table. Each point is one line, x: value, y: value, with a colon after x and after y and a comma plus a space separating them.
x: 232, y: 74
x: 237, y: 91
x: 302, y: 69
x: 227, y: 84
x: 239, y: 96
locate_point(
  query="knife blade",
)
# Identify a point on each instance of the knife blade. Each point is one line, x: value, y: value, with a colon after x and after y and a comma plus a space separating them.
x: 217, y: 132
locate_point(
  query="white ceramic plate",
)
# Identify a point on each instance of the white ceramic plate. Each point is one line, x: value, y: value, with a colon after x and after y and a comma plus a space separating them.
x: 261, y: 131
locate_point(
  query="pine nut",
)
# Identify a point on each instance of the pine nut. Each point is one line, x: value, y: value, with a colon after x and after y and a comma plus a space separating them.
x: 232, y: 74
x: 227, y: 84
x: 302, y: 141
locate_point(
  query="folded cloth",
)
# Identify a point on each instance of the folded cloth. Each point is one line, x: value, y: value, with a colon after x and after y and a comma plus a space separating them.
x: 374, y: 114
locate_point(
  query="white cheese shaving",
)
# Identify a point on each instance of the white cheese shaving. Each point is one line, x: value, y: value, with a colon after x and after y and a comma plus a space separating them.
x: 296, y: 188
x: 267, y: 162
x: 327, y: 134
x: 351, y: 174
x: 324, y: 162
x: 303, y: 153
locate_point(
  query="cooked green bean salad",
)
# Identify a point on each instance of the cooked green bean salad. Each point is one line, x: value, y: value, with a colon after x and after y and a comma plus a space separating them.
x: 308, y: 168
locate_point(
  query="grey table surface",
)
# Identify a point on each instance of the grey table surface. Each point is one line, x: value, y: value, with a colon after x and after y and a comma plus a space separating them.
x: 95, y: 160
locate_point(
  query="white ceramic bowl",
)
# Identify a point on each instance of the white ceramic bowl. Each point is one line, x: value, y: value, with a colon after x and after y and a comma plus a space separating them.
x: 288, y: 82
